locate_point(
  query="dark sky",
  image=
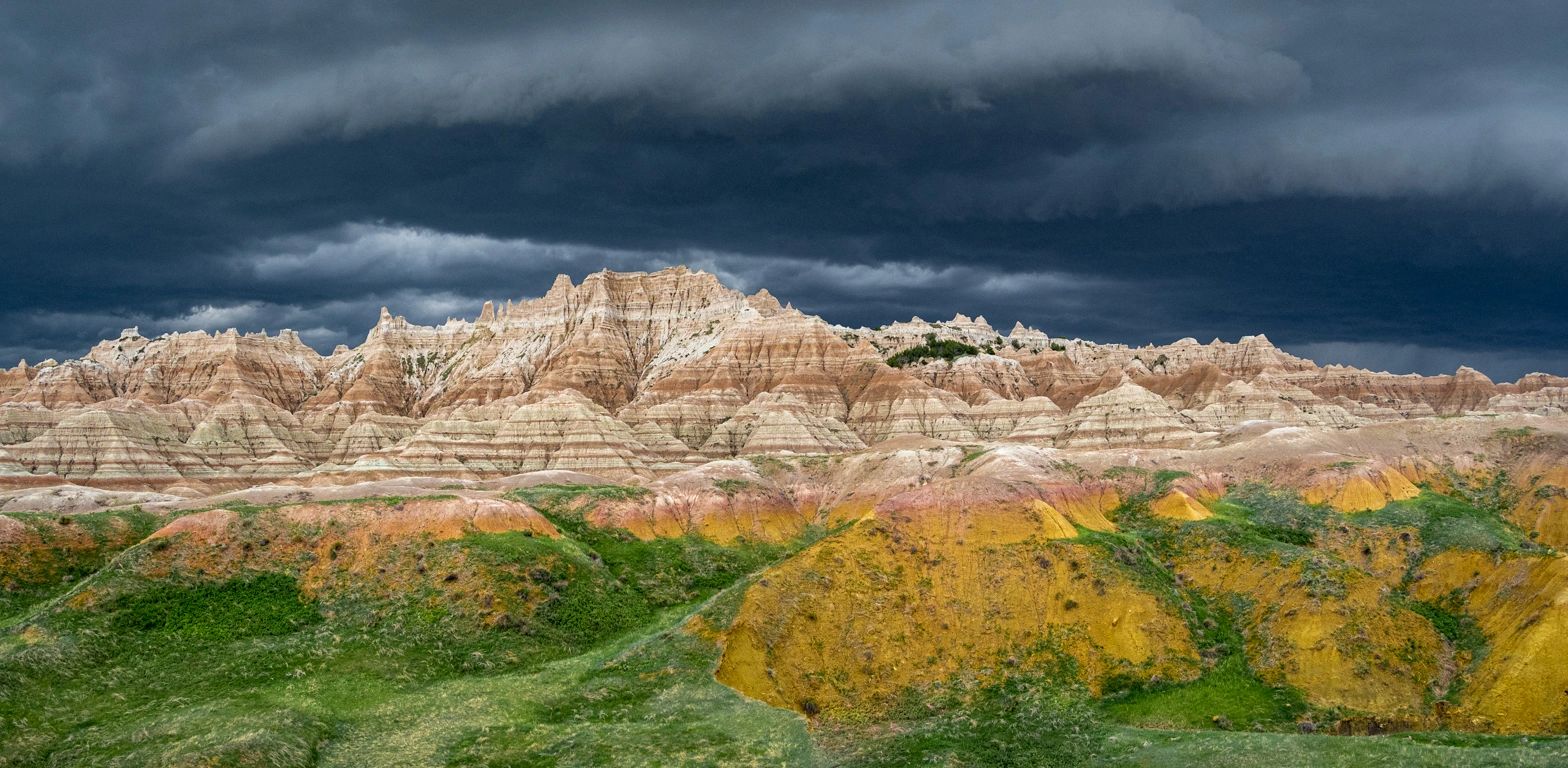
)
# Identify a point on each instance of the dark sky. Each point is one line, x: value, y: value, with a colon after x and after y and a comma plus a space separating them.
x: 1380, y: 183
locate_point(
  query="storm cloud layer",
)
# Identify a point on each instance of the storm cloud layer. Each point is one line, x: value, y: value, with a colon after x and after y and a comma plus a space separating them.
x: 1376, y: 183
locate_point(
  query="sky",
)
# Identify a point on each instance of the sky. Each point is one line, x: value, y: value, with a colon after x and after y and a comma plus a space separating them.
x: 1380, y: 184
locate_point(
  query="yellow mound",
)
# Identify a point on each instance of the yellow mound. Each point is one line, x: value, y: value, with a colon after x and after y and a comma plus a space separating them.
x: 897, y: 603
x: 1363, y: 491
x: 1341, y: 642
x: 1085, y: 505
x: 1543, y: 506
x: 1179, y: 506
x: 1053, y: 524
x: 1521, y: 604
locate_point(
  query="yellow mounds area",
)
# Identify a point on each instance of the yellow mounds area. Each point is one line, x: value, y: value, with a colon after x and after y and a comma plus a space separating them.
x: 1329, y: 631
x: 1521, y: 605
x: 1383, y: 553
x: 915, y: 595
x: 374, y: 522
x: 1205, y: 488
x: 849, y: 511
x: 379, y: 546
x: 1087, y: 505
x: 1055, y: 525
x: 1361, y: 491
x: 1543, y: 505
x: 754, y: 514
x: 1177, y: 505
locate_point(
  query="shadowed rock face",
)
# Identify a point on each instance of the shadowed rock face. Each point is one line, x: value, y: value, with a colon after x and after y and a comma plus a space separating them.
x: 637, y: 375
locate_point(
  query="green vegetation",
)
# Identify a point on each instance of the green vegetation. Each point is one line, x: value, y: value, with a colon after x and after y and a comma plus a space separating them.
x: 1494, y: 493
x: 1228, y: 693
x: 1155, y: 482
x: 1016, y: 721
x: 1222, y: 711
x: 552, y: 495
x: 933, y: 349
x: 250, y: 671
x: 1277, y: 514
x: 610, y: 662
x: 665, y: 572
x: 1516, y: 433
x: 1445, y: 523
x: 1256, y: 519
x: 1449, y: 619
x: 67, y: 549
x: 648, y: 700
x: 1122, y: 471
x: 260, y: 606
x: 1460, y: 631
x: 1218, y: 749
x: 730, y: 486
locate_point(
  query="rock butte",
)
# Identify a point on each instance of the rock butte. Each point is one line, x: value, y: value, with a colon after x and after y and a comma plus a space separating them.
x: 640, y: 375
x: 959, y: 494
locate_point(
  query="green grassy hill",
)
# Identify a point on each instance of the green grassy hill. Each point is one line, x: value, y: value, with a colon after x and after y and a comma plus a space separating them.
x: 605, y: 657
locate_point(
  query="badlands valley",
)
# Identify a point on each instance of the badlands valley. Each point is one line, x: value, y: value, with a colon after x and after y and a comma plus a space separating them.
x: 649, y: 520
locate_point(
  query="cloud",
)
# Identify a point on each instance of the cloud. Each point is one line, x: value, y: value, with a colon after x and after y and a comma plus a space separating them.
x: 376, y: 256
x: 1500, y: 364
x: 374, y: 264
x: 700, y: 59
x: 1345, y: 154
x: 430, y: 275
x: 1127, y: 170
x: 817, y: 59
x: 1155, y: 102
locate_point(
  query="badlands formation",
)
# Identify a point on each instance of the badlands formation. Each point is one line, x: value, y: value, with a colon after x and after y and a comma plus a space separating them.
x: 636, y: 376
x: 1358, y: 551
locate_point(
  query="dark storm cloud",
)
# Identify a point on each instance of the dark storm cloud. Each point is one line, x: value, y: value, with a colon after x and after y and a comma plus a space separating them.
x: 210, y: 84
x: 1357, y: 180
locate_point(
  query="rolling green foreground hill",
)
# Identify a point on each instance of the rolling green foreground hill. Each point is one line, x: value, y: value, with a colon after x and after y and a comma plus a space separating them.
x: 285, y: 636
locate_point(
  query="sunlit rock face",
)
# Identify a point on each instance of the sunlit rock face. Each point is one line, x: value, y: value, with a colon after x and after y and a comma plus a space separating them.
x: 643, y: 374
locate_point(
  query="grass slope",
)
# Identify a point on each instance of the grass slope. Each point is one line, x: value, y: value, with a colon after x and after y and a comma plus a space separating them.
x: 61, y: 550
x: 249, y: 671
x: 615, y: 669
x: 1445, y: 523
x: 1220, y: 749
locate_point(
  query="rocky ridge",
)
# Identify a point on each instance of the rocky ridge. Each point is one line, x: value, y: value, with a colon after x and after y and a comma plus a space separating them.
x: 638, y: 375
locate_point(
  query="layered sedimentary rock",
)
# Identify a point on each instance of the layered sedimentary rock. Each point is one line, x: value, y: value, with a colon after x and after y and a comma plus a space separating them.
x: 999, y: 417
x: 559, y: 430
x: 1547, y: 401
x: 1126, y: 415
x: 931, y: 561
x: 685, y: 368
x: 779, y: 423
x: 894, y: 405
